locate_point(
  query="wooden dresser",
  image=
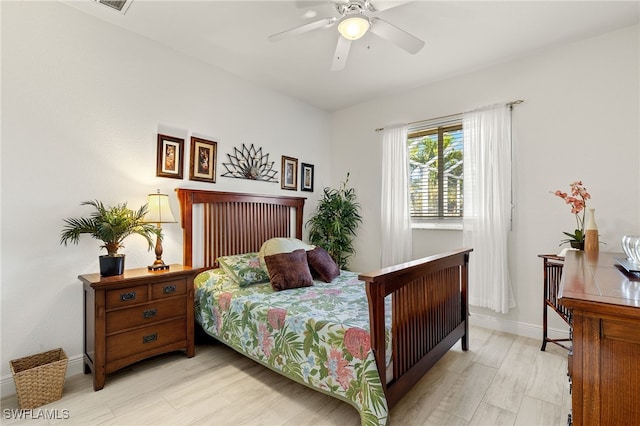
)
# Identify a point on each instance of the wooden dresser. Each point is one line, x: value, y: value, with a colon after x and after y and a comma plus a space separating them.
x: 604, y: 365
x: 136, y: 315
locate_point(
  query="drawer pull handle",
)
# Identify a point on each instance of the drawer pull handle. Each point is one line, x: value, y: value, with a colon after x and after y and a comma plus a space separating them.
x: 168, y: 289
x: 150, y: 313
x: 150, y: 338
x: 126, y: 297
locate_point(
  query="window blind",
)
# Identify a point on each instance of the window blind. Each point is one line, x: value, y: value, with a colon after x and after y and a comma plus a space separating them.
x: 435, y: 168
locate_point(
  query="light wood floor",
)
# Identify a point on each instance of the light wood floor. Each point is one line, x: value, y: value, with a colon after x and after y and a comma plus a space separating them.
x: 502, y: 380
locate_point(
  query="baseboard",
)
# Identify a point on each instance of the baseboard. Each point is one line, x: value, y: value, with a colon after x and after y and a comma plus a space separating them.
x: 514, y: 327
x: 75, y: 365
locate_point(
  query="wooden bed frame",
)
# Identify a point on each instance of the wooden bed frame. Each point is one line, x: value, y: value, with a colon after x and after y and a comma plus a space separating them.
x: 429, y: 296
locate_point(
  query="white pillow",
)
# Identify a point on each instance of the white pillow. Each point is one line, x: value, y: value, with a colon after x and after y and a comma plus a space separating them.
x: 281, y: 245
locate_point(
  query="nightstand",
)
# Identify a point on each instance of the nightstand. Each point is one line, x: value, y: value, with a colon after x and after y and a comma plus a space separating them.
x: 134, y: 316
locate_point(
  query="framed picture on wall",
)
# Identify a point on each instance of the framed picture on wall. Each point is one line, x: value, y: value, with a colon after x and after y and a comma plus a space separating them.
x: 306, y: 177
x: 169, y: 157
x: 289, y: 173
x: 202, y: 166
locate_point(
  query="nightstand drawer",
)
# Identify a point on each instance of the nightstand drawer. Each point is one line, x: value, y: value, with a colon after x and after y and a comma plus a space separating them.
x: 123, y: 319
x: 145, y: 339
x: 126, y: 296
x: 169, y: 288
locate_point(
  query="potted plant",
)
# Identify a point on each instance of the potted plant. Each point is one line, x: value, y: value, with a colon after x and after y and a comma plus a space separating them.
x: 578, y: 203
x: 111, y: 225
x: 334, y: 223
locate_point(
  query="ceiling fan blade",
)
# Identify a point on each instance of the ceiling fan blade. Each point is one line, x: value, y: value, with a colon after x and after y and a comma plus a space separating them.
x: 303, y: 29
x: 380, y: 5
x: 341, y: 54
x: 396, y: 35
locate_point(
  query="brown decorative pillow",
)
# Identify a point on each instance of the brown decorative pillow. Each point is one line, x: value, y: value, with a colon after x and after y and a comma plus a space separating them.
x: 289, y: 270
x: 281, y: 245
x: 322, y: 264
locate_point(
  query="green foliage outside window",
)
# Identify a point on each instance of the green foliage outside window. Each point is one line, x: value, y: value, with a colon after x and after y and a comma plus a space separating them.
x: 436, y: 169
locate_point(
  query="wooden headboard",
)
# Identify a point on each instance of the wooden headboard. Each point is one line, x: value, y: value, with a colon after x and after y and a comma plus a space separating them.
x: 233, y: 223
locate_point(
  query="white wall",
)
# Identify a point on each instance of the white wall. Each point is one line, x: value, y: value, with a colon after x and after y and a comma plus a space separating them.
x: 82, y: 103
x: 580, y: 121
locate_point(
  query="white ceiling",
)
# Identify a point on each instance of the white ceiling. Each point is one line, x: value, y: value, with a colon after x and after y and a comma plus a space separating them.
x: 459, y: 36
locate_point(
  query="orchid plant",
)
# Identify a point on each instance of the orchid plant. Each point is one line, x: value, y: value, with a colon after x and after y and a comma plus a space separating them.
x: 578, y: 202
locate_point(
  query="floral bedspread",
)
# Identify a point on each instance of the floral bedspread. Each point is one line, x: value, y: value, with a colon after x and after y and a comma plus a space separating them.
x: 317, y: 336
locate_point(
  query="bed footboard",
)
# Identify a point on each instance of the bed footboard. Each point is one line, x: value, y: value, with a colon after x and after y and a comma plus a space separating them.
x: 429, y: 315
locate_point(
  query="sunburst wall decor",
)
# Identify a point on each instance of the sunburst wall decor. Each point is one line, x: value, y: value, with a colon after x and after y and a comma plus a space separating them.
x: 249, y: 163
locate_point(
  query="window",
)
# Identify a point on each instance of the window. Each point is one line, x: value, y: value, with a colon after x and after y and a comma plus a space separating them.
x: 435, y: 168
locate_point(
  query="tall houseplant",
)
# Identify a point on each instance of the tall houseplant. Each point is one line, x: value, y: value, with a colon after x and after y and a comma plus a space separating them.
x: 334, y: 223
x: 111, y: 225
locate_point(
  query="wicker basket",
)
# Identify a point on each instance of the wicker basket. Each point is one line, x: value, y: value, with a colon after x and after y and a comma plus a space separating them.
x: 39, y: 378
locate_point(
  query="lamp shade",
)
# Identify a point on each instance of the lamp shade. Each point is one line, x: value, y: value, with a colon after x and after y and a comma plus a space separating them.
x: 158, y: 209
x: 353, y: 27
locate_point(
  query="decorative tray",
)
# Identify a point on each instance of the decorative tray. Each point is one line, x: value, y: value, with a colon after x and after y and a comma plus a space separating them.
x: 628, y: 265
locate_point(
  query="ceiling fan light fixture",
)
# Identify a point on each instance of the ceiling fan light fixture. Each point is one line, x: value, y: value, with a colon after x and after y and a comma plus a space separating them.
x: 353, y: 27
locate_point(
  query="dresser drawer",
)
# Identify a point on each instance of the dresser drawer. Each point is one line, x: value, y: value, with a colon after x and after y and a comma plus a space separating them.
x: 169, y: 288
x: 145, y: 339
x: 126, y: 296
x: 149, y: 313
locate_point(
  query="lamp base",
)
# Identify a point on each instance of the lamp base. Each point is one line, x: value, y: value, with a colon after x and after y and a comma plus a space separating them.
x: 161, y: 267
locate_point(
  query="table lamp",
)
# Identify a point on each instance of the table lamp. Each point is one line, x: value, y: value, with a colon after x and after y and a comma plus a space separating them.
x: 159, y: 211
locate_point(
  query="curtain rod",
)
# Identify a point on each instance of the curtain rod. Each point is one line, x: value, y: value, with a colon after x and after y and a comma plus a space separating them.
x: 509, y: 104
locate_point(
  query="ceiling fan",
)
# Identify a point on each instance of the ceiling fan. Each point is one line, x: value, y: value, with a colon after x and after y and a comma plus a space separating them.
x: 353, y: 23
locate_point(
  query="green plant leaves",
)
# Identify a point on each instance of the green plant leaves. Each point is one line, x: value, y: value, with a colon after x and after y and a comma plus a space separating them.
x: 111, y: 225
x: 334, y: 223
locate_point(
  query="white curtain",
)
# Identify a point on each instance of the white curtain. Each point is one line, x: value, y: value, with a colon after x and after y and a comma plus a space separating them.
x: 487, y: 205
x: 395, y: 218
